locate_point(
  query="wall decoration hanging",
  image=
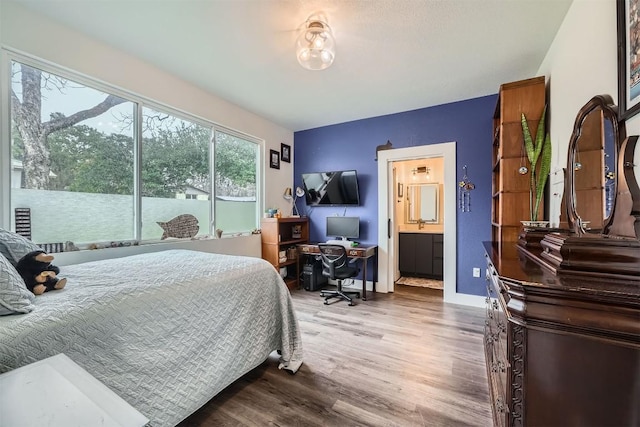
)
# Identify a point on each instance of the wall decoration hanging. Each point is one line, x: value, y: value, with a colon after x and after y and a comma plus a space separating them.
x: 464, y: 192
x: 274, y: 159
x: 628, y: 84
x: 285, y: 153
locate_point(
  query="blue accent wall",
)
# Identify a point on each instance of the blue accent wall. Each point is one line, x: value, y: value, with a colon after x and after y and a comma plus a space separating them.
x: 352, y: 145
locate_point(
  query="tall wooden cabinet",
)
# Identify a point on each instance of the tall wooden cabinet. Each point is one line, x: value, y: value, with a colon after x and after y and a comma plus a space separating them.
x: 510, y: 188
x: 279, y: 239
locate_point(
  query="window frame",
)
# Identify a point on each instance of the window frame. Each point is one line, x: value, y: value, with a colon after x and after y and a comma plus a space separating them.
x: 7, y: 56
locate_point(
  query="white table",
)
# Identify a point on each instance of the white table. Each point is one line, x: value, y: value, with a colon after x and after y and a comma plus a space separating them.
x: 55, y: 392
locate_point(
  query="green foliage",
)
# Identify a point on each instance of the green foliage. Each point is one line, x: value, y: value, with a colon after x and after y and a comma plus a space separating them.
x: 235, y: 160
x: 174, y: 158
x: 86, y: 160
x: 537, y: 149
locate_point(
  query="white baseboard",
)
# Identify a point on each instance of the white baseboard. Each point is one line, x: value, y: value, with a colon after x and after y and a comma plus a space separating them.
x: 457, y: 298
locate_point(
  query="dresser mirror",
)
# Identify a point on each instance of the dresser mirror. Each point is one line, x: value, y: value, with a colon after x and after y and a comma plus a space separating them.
x: 626, y: 219
x: 591, y: 184
x: 602, y: 202
x: 421, y: 205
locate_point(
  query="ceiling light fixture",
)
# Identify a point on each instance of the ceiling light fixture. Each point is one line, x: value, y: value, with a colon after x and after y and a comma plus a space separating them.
x: 316, y: 47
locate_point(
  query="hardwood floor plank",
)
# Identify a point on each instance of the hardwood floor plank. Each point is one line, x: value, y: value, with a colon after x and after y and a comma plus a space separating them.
x: 401, y: 359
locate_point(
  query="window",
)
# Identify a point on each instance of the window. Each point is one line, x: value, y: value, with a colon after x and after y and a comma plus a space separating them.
x: 236, y: 166
x: 175, y: 161
x: 74, y: 163
x: 71, y: 158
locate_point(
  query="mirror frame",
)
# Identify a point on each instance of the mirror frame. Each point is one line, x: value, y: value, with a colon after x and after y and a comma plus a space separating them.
x: 626, y: 222
x: 610, y: 112
x: 407, y: 208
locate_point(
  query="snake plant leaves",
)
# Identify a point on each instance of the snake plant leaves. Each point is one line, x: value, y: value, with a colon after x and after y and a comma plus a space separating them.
x: 541, y: 146
x: 545, y: 168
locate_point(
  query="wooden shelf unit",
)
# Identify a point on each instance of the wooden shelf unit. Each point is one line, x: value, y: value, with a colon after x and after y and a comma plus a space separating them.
x: 510, y: 189
x: 277, y: 236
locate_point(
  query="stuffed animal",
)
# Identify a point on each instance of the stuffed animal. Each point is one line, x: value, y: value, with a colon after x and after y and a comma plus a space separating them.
x: 38, y: 273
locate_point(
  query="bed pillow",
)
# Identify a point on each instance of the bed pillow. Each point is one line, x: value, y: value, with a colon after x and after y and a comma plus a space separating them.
x: 14, y: 246
x: 14, y: 296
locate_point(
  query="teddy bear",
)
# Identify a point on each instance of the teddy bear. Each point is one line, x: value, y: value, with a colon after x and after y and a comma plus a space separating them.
x: 38, y: 273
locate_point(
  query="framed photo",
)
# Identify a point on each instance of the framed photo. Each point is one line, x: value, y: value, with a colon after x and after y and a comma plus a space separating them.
x: 274, y: 159
x: 285, y: 153
x: 628, y: 59
x: 399, y: 190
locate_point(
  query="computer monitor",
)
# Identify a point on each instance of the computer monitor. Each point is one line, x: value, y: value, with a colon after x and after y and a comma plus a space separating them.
x: 344, y: 227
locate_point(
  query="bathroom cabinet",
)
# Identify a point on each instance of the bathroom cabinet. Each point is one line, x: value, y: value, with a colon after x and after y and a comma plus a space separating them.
x: 420, y: 254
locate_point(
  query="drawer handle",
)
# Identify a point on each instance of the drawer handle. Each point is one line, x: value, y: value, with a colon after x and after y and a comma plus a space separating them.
x: 497, y: 366
x: 501, y: 326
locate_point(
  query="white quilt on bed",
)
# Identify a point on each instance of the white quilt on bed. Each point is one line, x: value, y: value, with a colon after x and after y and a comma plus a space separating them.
x: 166, y: 331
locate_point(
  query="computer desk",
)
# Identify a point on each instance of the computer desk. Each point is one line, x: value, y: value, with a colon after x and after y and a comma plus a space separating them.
x: 358, y: 252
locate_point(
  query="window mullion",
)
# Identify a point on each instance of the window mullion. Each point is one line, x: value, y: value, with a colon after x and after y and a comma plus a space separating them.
x: 137, y: 171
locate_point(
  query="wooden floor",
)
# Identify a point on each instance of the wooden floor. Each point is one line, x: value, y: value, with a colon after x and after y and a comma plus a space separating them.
x: 401, y: 359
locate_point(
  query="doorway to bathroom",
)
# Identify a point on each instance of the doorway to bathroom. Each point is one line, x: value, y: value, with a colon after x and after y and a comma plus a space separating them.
x: 419, y: 218
x: 389, y: 221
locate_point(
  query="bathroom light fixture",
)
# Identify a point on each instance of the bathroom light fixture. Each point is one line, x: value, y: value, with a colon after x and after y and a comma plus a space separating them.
x: 420, y: 169
x: 316, y: 47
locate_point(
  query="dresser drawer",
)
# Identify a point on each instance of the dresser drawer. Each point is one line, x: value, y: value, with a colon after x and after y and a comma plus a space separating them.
x: 495, y: 341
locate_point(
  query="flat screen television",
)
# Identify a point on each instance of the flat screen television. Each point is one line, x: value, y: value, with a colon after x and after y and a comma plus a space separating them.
x: 337, y: 188
x: 344, y: 227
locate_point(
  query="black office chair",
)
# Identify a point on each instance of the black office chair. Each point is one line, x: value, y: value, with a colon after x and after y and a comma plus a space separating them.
x: 335, y: 266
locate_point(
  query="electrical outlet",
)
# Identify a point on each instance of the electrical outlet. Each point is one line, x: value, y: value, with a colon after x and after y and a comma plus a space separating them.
x: 476, y: 272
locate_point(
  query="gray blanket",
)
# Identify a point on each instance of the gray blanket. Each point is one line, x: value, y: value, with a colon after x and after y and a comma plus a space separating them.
x: 166, y: 331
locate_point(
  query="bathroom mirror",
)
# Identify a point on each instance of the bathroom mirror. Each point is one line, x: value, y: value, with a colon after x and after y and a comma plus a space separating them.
x: 421, y: 203
x: 592, y: 166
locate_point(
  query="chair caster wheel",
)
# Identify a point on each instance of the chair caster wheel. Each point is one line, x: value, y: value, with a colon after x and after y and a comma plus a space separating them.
x: 351, y: 304
x: 326, y: 303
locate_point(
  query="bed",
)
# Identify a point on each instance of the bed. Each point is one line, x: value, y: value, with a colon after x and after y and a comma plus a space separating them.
x: 166, y: 331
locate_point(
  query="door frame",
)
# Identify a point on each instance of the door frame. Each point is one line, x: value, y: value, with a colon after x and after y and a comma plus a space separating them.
x: 387, y: 246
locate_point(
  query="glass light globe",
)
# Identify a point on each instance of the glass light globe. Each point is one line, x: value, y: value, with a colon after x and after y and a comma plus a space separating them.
x: 315, y: 46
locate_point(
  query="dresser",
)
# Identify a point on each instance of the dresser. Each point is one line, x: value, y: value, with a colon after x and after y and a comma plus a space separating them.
x: 559, y: 351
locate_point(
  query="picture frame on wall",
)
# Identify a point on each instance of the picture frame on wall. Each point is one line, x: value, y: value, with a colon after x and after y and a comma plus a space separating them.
x: 274, y: 159
x: 628, y: 58
x: 285, y: 153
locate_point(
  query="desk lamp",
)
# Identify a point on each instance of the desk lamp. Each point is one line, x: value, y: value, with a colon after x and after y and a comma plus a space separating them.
x: 288, y: 196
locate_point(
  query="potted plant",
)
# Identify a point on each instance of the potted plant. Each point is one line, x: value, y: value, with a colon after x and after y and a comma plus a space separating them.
x: 538, y: 150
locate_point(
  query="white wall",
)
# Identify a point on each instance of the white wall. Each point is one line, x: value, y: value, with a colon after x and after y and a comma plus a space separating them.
x: 581, y: 63
x: 241, y: 245
x: 33, y: 34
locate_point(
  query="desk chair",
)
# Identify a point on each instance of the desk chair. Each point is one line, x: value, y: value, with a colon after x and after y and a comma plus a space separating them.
x: 335, y: 266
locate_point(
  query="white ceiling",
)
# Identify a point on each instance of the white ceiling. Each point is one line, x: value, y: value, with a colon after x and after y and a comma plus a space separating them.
x: 391, y: 55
